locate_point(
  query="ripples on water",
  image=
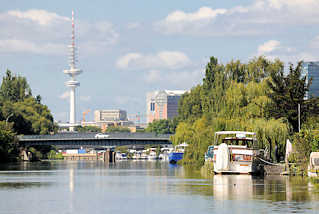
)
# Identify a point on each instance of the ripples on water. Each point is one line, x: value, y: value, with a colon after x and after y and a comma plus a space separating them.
x: 146, y: 187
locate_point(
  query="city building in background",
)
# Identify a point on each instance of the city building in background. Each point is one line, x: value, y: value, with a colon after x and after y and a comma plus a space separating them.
x: 116, y: 117
x: 162, y: 104
x: 311, y: 70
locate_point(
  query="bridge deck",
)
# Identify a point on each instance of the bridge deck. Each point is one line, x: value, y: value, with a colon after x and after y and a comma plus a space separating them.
x: 88, y: 139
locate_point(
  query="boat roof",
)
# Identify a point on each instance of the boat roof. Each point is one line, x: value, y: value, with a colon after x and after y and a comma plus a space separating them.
x: 234, y: 132
x: 314, y: 155
x: 237, y: 138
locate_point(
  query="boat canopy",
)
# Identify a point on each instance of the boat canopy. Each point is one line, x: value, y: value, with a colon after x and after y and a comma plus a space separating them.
x: 234, y: 132
x: 239, y: 135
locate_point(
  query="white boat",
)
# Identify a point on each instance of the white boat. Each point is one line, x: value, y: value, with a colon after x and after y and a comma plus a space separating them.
x: 120, y: 156
x: 313, y: 167
x: 152, y: 156
x: 236, y: 153
x: 165, y: 154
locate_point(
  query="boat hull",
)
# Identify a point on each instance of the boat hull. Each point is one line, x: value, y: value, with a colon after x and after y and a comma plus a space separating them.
x: 238, y: 168
x: 174, y: 157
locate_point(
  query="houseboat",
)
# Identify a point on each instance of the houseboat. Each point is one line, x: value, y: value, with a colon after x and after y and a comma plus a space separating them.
x: 233, y: 153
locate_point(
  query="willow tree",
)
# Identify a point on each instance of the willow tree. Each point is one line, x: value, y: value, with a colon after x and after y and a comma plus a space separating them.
x: 232, y: 97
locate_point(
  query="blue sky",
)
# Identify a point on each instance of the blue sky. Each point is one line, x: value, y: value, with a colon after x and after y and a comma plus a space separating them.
x: 127, y: 48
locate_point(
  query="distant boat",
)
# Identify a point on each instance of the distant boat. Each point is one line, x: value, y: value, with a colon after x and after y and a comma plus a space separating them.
x: 120, y: 156
x: 235, y: 155
x: 165, y: 153
x: 152, y: 154
x: 178, y: 154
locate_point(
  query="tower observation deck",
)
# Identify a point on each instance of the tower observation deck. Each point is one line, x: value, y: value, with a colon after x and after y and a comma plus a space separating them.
x: 72, y: 72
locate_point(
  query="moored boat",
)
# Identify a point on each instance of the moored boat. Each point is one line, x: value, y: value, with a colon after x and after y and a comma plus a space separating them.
x: 235, y: 154
x: 313, y: 167
x: 178, y: 154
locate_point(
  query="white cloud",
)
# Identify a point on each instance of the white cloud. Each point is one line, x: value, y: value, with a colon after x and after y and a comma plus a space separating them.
x: 42, y: 17
x: 97, y: 37
x: 124, y: 61
x: 160, y: 60
x: 261, y: 16
x: 268, y: 47
x: 174, y: 79
x: 44, y: 32
x: 22, y: 46
x: 274, y: 49
x: 65, y: 95
x: 203, y: 13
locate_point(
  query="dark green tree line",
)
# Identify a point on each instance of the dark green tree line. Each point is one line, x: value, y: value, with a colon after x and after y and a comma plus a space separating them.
x: 20, y: 113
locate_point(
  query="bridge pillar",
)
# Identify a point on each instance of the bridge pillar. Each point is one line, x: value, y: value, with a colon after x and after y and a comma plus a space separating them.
x: 109, y: 156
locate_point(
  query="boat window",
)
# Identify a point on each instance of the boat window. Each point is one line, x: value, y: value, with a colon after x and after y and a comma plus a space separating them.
x: 238, y: 157
x: 316, y: 161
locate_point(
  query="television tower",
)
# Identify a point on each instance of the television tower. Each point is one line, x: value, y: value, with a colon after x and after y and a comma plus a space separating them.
x: 72, y: 72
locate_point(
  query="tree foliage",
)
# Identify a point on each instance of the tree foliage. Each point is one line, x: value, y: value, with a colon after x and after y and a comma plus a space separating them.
x: 232, y: 97
x: 117, y: 129
x: 18, y: 106
x: 8, y: 143
x: 162, y: 126
x: 287, y: 91
x: 20, y: 113
x: 88, y: 129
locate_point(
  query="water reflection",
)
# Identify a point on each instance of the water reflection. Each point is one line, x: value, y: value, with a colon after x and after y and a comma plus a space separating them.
x: 22, y: 185
x: 233, y: 187
x: 80, y: 186
x: 71, y: 180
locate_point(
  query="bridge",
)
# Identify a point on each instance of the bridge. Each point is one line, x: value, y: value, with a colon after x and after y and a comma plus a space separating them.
x: 90, y: 140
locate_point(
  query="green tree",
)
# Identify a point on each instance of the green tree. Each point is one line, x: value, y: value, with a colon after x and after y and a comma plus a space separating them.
x: 117, y: 129
x: 231, y: 97
x: 162, y: 126
x: 88, y: 129
x: 8, y: 142
x: 289, y: 91
x: 17, y: 105
x: 14, y: 88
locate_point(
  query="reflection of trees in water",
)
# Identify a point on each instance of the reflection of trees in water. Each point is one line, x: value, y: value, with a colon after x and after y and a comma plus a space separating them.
x: 23, y: 185
x: 246, y: 187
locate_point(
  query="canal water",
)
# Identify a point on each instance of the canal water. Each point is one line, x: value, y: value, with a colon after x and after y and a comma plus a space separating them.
x: 137, y: 187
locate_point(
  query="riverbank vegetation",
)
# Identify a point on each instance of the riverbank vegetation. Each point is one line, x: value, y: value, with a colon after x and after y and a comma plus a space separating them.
x: 20, y: 113
x: 255, y: 96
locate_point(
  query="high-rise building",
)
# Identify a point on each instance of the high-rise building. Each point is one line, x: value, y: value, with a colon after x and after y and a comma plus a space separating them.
x: 162, y: 104
x: 311, y: 70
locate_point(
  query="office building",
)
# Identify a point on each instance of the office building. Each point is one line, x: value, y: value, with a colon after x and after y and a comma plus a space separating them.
x: 311, y: 70
x: 110, y: 115
x: 162, y: 104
